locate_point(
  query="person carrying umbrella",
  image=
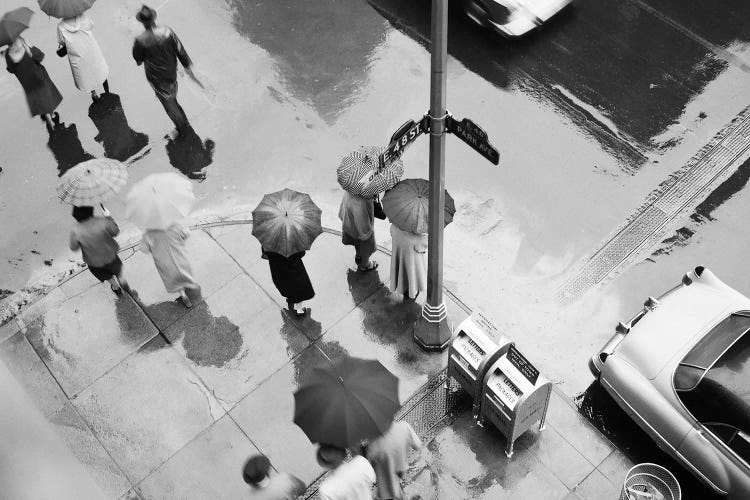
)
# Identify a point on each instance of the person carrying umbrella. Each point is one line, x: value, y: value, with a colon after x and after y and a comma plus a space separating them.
x: 83, y: 186
x: 25, y: 63
x: 77, y: 41
x: 158, y: 49
x: 350, y: 480
x: 407, y: 207
x: 95, y: 237
x: 156, y: 204
x: 362, y: 179
x: 286, y: 223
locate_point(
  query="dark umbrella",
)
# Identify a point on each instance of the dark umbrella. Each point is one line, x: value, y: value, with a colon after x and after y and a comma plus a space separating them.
x: 63, y: 9
x: 407, y: 205
x: 343, y: 404
x: 13, y: 23
x: 286, y: 222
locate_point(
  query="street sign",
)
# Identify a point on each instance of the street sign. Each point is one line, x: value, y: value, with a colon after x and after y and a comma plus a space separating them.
x: 405, y: 135
x: 473, y: 135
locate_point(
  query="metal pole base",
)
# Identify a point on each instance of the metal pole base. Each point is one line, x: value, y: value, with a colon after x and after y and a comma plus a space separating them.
x: 431, y: 330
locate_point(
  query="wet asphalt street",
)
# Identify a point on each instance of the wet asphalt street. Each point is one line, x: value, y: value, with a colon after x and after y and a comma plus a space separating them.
x: 590, y: 114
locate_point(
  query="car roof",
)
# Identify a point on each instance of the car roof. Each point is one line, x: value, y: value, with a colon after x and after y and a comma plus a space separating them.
x: 722, y: 392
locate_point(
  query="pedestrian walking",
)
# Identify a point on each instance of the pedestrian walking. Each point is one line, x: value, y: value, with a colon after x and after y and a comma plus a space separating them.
x: 94, y: 236
x: 357, y: 215
x: 41, y: 94
x: 408, y: 262
x: 84, y: 55
x: 266, y: 485
x: 158, y: 49
x: 291, y: 279
x: 352, y: 480
x: 167, y: 247
x: 389, y: 456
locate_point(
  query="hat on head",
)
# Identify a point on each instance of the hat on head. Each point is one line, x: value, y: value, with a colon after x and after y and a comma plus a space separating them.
x: 146, y: 14
x: 256, y: 469
x: 330, y: 456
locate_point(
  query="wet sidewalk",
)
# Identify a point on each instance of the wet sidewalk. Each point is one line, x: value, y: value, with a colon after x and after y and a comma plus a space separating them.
x: 158, y: 401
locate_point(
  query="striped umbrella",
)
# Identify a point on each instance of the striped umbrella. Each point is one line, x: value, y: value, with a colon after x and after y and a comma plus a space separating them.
x: 360, y: 175
x: 63, y: 9
x: 286, y: 222
x: 92, y: 181
x: 13, y: 23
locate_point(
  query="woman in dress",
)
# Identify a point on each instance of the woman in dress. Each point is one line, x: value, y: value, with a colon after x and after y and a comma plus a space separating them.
x: 408, y: 262
x: 41, y: 94
x: 167, y: 247
x: 291, y: 279
x: 86, y: 60
x: 357, y: 216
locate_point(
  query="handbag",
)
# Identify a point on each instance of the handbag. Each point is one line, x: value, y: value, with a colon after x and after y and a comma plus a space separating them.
x: 379, y: 212
x: 62, y: 51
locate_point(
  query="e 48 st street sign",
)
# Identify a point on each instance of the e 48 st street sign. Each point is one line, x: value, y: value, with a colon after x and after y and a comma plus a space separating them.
x: 466, y: 130
x: 473, y: 135
x: 405, y: 135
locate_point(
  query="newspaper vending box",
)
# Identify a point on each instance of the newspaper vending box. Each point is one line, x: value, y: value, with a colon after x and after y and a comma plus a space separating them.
x: 515, y: 396
x: 476, y: 344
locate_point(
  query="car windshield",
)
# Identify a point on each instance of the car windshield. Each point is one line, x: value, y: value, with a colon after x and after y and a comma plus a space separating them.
x: 721, y: 392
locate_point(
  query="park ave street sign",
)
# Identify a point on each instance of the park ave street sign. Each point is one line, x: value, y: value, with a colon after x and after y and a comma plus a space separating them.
x: 466, y: 130
x: 473, y: 135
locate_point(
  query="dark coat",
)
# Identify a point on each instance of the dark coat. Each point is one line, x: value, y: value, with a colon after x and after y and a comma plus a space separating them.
x: 290, y: 276
x: 41, y: 94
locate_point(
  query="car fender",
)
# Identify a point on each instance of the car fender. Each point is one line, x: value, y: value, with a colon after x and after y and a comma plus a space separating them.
x: 704, y: 456
x: 646, y: 406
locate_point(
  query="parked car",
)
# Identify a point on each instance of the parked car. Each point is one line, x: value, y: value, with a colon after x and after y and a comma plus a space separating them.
x: 680, y: 368
x: 512, y: 18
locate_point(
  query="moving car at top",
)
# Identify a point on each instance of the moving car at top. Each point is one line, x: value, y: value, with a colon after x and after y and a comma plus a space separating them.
x: 680, y: 368
x: 512, y: 18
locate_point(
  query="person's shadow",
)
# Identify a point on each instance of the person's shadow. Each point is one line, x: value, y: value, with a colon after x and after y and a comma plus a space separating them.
x: 190, y: 155
x: 120, y: 142
x: 66, y: 147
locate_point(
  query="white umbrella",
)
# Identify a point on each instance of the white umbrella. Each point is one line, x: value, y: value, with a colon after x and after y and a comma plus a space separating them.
x: 159, y: 200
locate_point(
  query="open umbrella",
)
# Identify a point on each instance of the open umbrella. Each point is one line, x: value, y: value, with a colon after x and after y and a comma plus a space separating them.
x: 63, y: 9
x: 13, y: 23
x: 286, y: 222
x: 359, y: 172
x: 407, y: 205
x: 92, y: 181
x: 159, y: 200
x: 344, y: 403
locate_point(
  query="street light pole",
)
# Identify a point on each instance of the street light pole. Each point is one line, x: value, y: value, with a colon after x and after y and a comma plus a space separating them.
x: 431, y: 331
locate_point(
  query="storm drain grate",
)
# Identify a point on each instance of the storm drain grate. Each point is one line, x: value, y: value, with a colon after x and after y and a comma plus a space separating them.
x: 681, y: 192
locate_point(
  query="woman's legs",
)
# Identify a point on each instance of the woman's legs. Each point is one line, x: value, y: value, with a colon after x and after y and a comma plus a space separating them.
x: 106, y: 86
x: 185, y: 299
x: 49, y: 120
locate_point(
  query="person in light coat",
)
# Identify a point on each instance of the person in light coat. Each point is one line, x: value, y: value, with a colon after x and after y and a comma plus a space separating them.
x: 389, y: 456
x: 350, y: 480
x: 167, y: 247
x: 408, y: 262
x: 84, y: 55
x: 357, y: 215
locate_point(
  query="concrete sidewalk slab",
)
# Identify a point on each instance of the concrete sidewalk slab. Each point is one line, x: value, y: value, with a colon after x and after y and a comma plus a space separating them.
x: 160, y: 401
x: 147, y: 408
x: 82, y: 338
